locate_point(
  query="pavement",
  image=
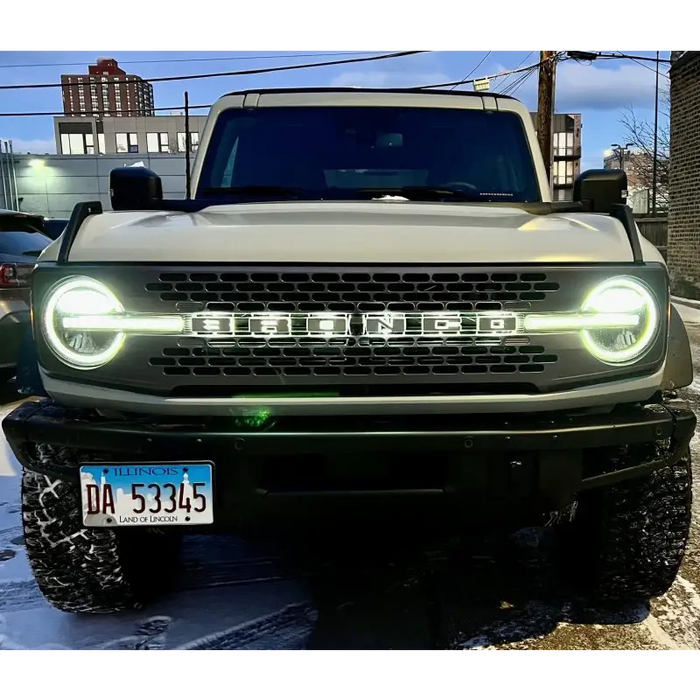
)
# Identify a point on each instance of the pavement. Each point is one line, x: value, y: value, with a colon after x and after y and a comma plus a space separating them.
x: 356, y: 592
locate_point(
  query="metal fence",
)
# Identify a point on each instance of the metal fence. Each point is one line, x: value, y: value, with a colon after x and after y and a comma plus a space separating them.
x: 655, y: 230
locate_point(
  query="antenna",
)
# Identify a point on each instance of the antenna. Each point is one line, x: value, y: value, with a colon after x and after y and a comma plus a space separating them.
x: 188, y: 175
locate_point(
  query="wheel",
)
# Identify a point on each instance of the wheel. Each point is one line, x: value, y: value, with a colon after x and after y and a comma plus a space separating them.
x: 83, y: 570
x: 629, y: 539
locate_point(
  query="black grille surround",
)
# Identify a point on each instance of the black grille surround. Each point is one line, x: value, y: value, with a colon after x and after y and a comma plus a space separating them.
x: 197, y: 366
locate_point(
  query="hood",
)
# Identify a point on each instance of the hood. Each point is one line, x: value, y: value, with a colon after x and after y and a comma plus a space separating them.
x: 351, y: 232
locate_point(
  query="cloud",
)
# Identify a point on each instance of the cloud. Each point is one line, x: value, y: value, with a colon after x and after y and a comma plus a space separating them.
x: 604, y: 86
x: 607, y: 86
x: 388, y: 79
x: 35, y: 146
x: 407, y: 71
x: 596, y: 87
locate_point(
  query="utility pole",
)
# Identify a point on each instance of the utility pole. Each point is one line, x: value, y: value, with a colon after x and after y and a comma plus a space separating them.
x: 622, y: 151
x: 656, y: 139
x: 545, y: 109
x: 188, y: 174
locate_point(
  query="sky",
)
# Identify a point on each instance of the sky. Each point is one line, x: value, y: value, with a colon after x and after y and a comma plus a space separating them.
x: 601, y: 91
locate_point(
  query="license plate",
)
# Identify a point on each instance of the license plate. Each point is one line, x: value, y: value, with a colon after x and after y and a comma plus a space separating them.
x: 118, y: 495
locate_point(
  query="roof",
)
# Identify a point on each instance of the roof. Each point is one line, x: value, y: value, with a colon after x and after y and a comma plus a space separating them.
x: 408, y: 91
x: 684, y: 58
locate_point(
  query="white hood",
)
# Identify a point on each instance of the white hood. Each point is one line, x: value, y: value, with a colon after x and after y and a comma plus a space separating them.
x: 351, y: 232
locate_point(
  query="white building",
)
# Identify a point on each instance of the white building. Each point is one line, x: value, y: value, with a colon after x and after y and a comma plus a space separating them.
x: 51, y: 185
x: 127, y: 135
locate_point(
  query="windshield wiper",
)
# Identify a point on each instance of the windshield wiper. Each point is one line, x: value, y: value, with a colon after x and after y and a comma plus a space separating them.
x: 256, y: 190
x: 32, y: 253
x: 430, y: 193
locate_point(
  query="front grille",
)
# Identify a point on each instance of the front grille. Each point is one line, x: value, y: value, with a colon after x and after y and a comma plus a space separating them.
x: 340, y: 291
x: 352, y: 292
x: 234, y: 360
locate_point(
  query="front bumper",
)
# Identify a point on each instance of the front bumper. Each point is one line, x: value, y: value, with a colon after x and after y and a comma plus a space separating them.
x: 540, y: 462
x: 13, y: 328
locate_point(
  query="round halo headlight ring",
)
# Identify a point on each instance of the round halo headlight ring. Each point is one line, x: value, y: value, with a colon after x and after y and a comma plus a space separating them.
x: 74, y: 296
x: 626, y: 295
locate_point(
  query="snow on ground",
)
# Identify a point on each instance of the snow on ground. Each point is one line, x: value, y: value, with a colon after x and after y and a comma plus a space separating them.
x: 234, y: 595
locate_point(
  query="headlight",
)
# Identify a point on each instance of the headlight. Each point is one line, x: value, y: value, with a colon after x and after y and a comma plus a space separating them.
x: 75, y: 298
x: 618, y: 321
x: 626, y: 342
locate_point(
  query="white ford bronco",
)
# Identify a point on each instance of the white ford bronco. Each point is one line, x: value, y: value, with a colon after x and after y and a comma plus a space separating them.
x: 369, y: 299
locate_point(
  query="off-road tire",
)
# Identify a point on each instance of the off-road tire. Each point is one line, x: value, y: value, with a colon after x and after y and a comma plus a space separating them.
x: 90, y: 570
x: 629, y: 539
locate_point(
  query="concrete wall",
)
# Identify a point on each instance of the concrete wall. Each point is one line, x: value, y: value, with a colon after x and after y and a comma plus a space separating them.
x: 684, y: 181
x: 53, y: 189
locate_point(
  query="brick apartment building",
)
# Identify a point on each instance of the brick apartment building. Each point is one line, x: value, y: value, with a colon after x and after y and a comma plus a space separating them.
x: 106, y: 90
x: 684, y: 181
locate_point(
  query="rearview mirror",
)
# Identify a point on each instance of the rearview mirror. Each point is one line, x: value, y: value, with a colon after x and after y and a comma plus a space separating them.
x: 598, y: 190
x: 134, y: 189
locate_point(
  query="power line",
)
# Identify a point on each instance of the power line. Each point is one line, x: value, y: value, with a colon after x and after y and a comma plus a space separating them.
x: 195, y: 59
x: 643, y: 65
x: 490, y: 77
x: 519, y: 82
x: 250, y: 71
x: 518, y: 66
x: 473, y: 70
x: 619, y: 54
x: 93, y: 112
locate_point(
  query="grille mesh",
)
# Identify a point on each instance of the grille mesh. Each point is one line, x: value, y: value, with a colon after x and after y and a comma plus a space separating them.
x: 353, y: 358
x: 352, y: 292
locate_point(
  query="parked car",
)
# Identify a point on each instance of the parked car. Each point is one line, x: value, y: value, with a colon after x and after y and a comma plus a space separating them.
x: 21, y: 241
x: 53, y: 228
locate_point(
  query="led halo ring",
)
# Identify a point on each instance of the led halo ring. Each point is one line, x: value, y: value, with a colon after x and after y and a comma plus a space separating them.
x: 598, y: 301
x: 50, y: 316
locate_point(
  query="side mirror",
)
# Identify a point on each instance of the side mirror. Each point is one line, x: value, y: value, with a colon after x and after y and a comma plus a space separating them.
x: 598, y: 190
x: 134, y: 189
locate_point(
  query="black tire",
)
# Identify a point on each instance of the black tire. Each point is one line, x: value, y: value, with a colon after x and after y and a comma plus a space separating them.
x: 82, y: 570
x: 629, y: 539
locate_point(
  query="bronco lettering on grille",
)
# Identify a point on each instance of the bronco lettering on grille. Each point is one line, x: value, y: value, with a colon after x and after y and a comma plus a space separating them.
x: 384, y: 324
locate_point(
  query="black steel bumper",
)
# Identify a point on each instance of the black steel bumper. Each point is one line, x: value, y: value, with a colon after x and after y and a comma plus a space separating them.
x: 12, y: 330
x: 543, y: 461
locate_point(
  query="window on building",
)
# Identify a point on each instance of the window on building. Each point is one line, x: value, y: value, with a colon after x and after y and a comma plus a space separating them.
x: 101, y: 143
x: 157, y: 142
x: 77, y: 144
x: 127, y: 143
x: 563, y: 144
x: 194, y: 141
x: 564, y: 173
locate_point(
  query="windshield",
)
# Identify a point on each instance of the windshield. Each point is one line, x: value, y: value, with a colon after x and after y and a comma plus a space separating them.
x: 22, y: 243
x: 350, y: 152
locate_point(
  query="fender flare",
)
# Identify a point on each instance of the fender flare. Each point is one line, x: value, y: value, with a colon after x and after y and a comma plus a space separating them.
x: 679, y: 359
x: 28, y: 381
